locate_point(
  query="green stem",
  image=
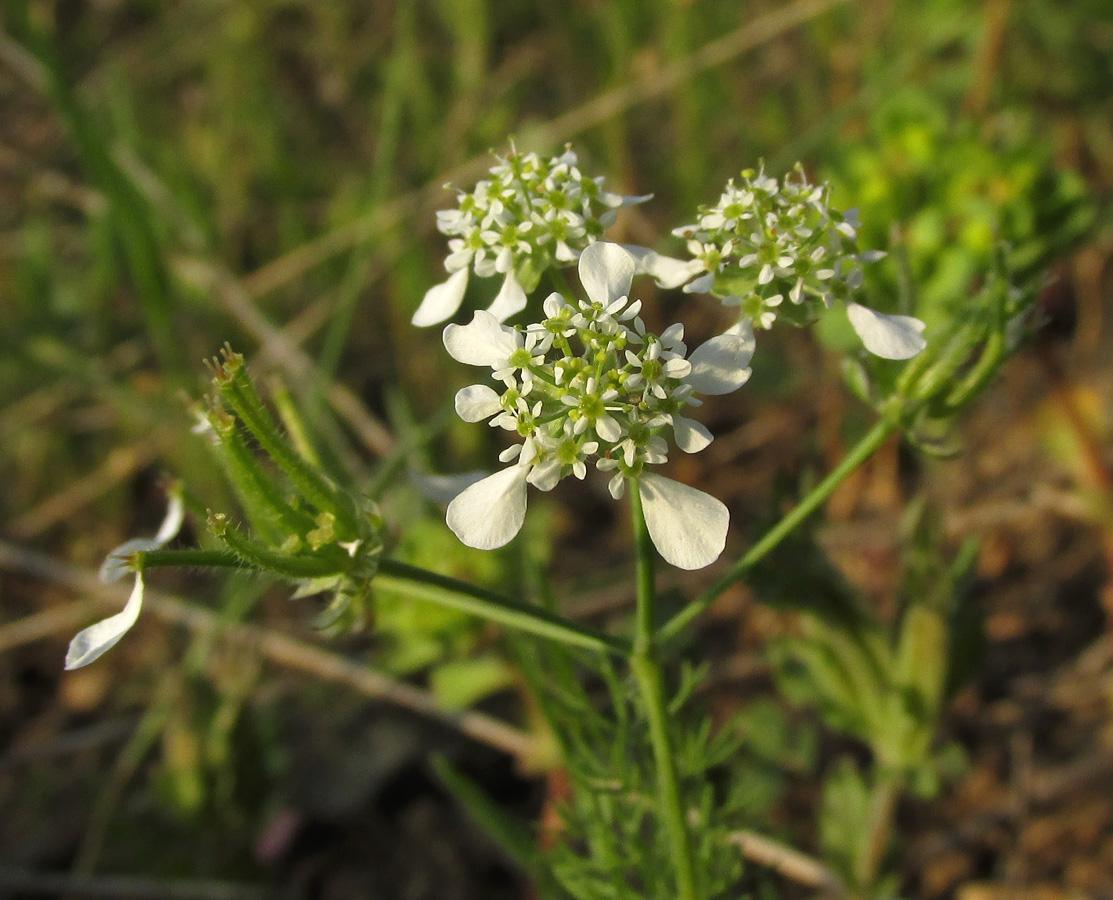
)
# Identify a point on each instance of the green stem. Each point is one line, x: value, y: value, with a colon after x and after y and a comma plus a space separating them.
x: 646, y: 667
x: 861, y: 451
x: 871, y: 852
x: 211, y: 559
x: 460, y: 595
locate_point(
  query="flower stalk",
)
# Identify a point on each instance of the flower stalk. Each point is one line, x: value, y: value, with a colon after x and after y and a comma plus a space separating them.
x: 645, y: 665
x: 425, y: 585
x: 858, y: 454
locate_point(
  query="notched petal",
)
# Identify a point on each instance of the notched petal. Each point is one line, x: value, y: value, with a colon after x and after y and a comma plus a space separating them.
x: 606, y: 271
x: 482, y: 342
x: 477, y: 402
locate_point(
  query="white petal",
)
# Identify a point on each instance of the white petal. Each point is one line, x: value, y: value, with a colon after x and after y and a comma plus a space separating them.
x: 667, y: 271
x: 744, y: 328
x: 719, y: 365
x: 608, y: 429
x: 511, y: 299
x: 606, y: 271
x: 442, y: 489
x: 564, y: 253
x: 477, y: 402
x: 172, y: 522
x: 553, y: 304
x: 482, y: 342
x: 617, y: 485
x: 688, y: 527
x: 691, y: 436
x: 441, y: 301
x: 609, y: 198
x: 118, y: 563
x: 95, y: 640
x: 701, y: 285
x: 490, y: 512
x: 891, y: 337
x: 545, y: 476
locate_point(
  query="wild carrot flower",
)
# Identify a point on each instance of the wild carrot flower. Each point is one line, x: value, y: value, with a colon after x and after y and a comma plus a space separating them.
x: 766, y: 241
x: 530, y: 215
x: 588, y: 384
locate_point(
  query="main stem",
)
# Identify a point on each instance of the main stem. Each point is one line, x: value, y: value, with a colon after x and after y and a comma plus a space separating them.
x: 861, y: 451
x: 646, y: 666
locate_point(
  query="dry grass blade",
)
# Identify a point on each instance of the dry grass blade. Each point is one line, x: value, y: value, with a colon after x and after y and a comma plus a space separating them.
x: 237, y: 300
x: 788, y: 862
x: 273, y: 646
x: 750, y: 35
x: 121, y: 464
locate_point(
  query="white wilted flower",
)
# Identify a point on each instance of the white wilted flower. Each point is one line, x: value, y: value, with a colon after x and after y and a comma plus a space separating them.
x: 92, y: 642
x: 530, y: 215
x: 589, y: 384
x: 765, y: 241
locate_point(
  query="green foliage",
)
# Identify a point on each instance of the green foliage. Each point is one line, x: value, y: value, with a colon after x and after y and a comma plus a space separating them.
x: 613, y: 841
x: 946, y: 196
x: 884, y: 684
x: 302, y: 527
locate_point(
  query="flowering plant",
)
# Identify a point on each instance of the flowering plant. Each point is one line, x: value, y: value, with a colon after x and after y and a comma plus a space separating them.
x: 584, y: 385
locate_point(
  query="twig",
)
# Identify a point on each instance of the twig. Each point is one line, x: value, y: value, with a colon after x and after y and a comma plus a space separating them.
x: 787, y: 861
x: 127, y: 887
x: 995, y: 21
x: 108, y: 731
x: 277, y: 648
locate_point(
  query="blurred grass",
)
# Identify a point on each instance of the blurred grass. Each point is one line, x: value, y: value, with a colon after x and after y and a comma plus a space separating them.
x: 175, y: 175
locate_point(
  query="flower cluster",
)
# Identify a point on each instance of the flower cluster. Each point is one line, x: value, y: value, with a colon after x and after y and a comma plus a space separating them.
x: 589, y: 385
x: 767, y: 241
x: 532, y: 214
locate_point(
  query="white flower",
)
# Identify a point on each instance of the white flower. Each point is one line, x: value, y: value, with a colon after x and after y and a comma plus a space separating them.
x: 768, y: 239
x: 530, y: 215
x: 89, y: 644
x: 589, y: 383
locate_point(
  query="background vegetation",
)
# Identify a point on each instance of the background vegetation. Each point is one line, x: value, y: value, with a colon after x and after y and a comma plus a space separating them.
x: 176, y: 175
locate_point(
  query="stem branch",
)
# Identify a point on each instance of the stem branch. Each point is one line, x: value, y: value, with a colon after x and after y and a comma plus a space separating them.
x: 415, y: 582
x: 858, y: 454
